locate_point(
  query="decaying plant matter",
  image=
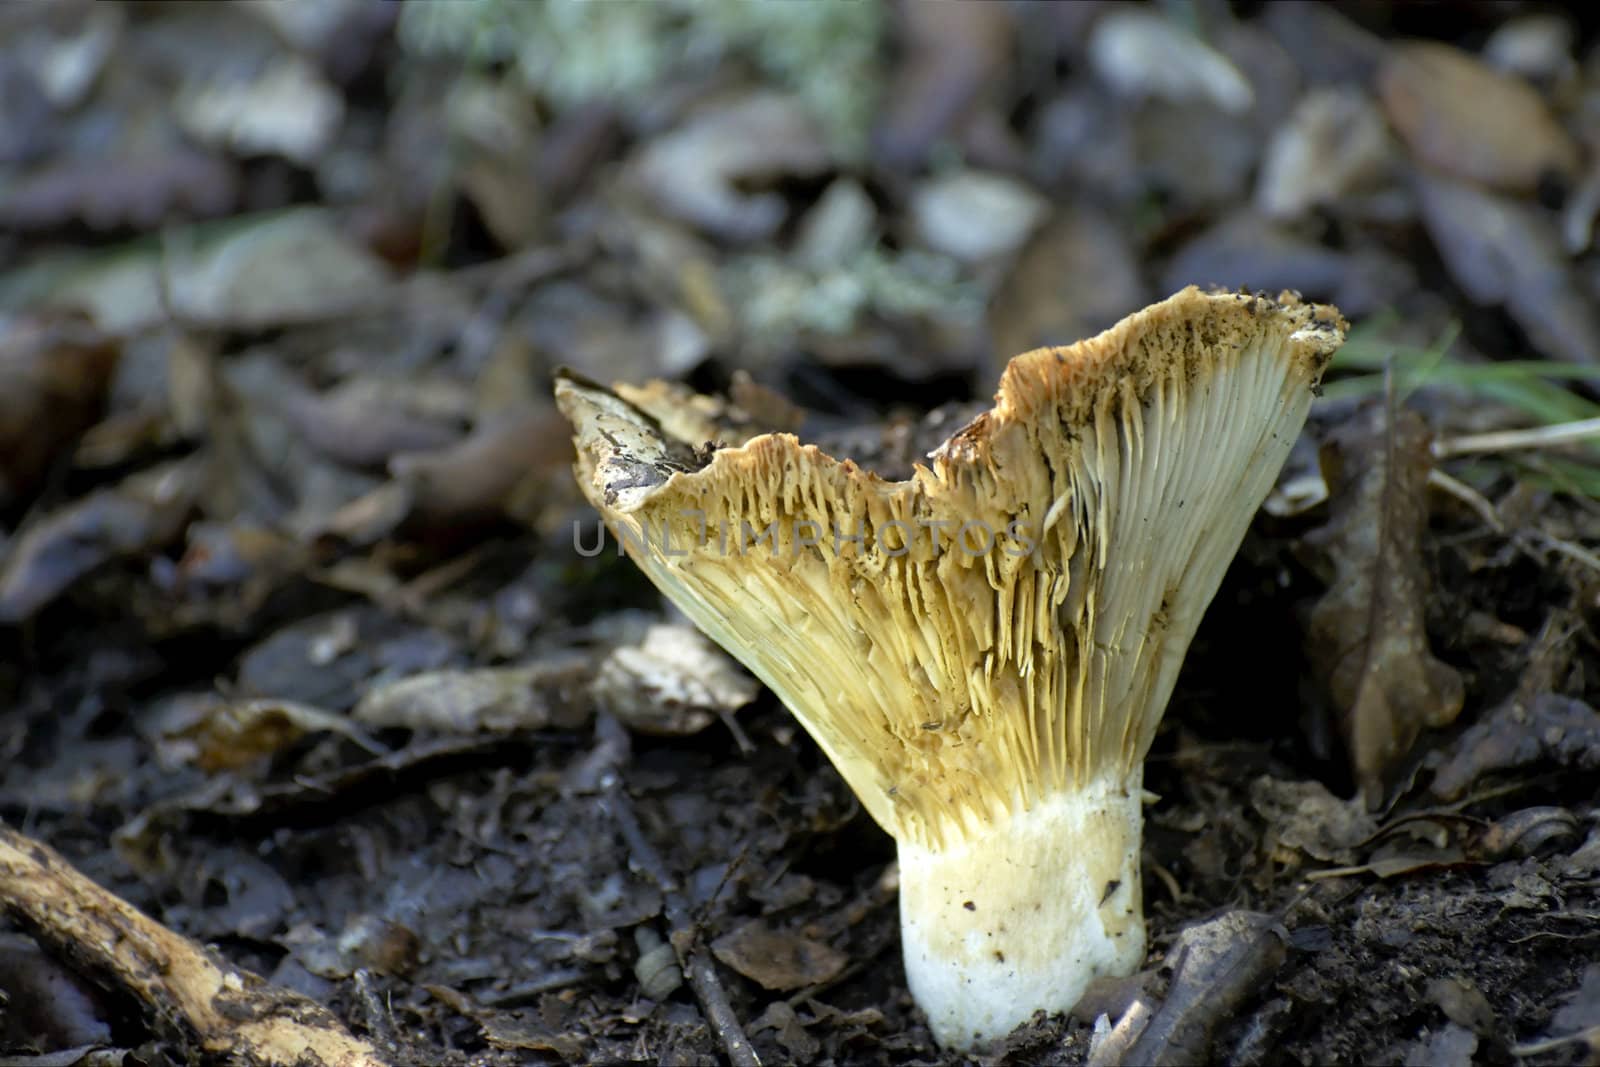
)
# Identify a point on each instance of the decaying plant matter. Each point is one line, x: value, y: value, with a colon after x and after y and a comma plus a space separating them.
x: 218, y: 1009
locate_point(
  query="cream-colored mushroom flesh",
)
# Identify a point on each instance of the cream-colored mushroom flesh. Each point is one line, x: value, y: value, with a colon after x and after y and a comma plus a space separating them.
x: 985, y: 649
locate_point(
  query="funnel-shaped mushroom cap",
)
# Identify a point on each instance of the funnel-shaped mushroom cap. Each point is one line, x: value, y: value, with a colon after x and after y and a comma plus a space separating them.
x: 1008, y: 622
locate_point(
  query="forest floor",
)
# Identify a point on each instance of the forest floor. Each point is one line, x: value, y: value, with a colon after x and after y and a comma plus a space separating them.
x: 301, y: 656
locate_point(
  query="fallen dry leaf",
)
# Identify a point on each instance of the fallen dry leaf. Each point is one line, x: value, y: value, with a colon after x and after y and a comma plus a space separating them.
x: 534, y: 696
x: 54, y: 376
x: 775, y: 959
x: 1548, y: 728
x: 292, y: 267
x: 1464, y: 118
x: 143, y: 512
x: 975, y: 216
x: 1141, y: 53
x: 1333, y: 143
x: 1367, y: 638
x: 506, y: 461
x: 1216, y: 966
x: 222, y: 735
x: 789, y: 1031
x: 1502, y: 251
x: 1305, y: 817
x: 140, y: 193
x: 698, y: 172
x: 675, y: 681
x: 284, y: 107
x: 363, y: 422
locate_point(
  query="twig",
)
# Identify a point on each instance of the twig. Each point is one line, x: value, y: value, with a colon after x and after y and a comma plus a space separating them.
x: 1468, y: 496
x: 1590, y: 1037
x: 234, y: 1016
x: 697, y: 967
x: 1490, y: 515
x: 1561, y: 433
x: 740, y: 738
x: 1565, y: 548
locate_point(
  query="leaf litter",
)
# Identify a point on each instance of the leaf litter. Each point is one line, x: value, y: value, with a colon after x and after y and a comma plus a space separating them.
x: 303, y: 659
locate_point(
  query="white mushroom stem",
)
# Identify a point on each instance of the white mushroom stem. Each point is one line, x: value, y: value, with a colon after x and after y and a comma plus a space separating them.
x: 1026, y: 914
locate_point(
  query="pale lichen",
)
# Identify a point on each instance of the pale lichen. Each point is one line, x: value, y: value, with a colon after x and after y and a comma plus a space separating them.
x: 574, y: 51
x: 780, y: 303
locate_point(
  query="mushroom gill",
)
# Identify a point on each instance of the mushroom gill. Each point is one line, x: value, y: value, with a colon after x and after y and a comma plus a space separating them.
x: 985, y: 649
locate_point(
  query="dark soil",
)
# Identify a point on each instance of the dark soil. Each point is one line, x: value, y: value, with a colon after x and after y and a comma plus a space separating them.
x: 472, y: 895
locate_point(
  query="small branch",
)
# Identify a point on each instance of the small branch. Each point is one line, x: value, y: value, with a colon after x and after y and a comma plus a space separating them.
x: 1561, y: 433
x: 1490, y: 515
x: 1576, y: 553
x: 1590, y: 1037
x: 1469, y: 496
x: 233, y: 1014
x: 697, y: 966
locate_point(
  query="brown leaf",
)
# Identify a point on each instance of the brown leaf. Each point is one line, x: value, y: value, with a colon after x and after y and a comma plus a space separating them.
x: 1367, y: 638
x: 220, y: 735
x: 974, y: 216
x: 1217, y: 965
x: 485, y: 472
x: 290, y: 267
x: 54, y: 375
x: 775, y: 959
x: 1333, y: 143
x: 499, y: 133
x: 781, y: 1018
x: 1468, y: 120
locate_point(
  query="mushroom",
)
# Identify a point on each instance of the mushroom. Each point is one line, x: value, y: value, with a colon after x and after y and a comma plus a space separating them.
x: 984, y: 650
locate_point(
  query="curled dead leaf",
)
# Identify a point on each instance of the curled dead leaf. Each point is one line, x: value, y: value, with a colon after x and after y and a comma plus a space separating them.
x: 675, y: 681
x: 223, y: 735
x: 545, y: 693
x: 1367, y: 639
x: 1305, y: 818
